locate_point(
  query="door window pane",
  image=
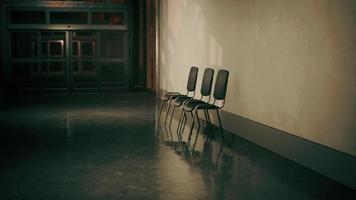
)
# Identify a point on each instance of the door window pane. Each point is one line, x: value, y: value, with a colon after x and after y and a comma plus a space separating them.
x: 56, y: 67
x: 113, y: 18
x: 1, y: 71
x: 27, y: 17
x: 44, y: 49
x: 83, y: 34
x: 52, y: 74
x: 113, y: 72
x: 53, y: 44
x: 25, y: 74
x: 87, y: 66
x: 84, y: 74
x: 24, y: 44
x: 87, y: 48
x: 1, y: 56
x: 75, y: 66
x: 112, y: 45
x: 56, y: 48
x: 44, y: 67
x: 80, y: 66
x: 68, y: 18
x: 118, y: 1
x: 75, y: 49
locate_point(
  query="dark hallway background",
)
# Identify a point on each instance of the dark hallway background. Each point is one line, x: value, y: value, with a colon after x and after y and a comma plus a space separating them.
x: 84, y: 45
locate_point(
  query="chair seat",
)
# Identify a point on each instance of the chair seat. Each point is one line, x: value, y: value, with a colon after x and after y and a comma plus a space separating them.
x: 167, y: 96
x: 172, y: 93
x: 179, y: 101
x: 202, y: 105
x: 208, y: 106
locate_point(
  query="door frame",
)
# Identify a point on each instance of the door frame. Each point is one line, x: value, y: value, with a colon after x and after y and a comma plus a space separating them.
x: 68, y: 58
x: 8, y: 28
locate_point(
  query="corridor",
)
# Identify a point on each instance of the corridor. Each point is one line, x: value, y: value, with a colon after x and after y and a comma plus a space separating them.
x: 109, y: 146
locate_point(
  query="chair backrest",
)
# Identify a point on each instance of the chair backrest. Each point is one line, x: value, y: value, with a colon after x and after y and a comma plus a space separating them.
x: 207, y: 82
x: 192, y: 79
x: 221, y: 84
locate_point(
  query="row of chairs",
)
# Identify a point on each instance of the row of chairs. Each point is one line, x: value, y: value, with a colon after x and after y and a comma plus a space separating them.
x: 190, y: 103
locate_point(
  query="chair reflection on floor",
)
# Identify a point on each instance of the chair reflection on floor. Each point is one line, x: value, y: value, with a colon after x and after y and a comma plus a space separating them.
x: 175, y: 142
x: 206, y: 150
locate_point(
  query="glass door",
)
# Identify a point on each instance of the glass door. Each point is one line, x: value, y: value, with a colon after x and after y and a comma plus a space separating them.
x: 24, y: 59
x: 53, y: 59
x: 114, y: 58
x: 38, y: 59
x: 84, y: 59
x: 99, y: 59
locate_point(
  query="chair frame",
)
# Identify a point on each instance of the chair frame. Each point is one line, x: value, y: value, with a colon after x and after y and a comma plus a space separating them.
x: 183, y: 117
x: 187, y: 101
x: 211, y: 106
x: 173, y: 95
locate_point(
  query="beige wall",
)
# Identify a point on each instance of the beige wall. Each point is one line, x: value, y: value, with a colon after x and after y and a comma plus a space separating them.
x: 292, y: 63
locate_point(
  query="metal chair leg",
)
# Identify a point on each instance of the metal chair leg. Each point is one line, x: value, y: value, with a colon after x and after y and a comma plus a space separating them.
x: 191, y: 128
x: 160, y: 111
x: 184, y: 123
x: 206, y: 122
x: 196, y: 137
x: 169, y: 107
x: 172, y: 115
x: 197, y: 115
x: 207, y: 113
x: 180, y: 121
x: 220, y: 124
x: 168, y: 134
x: 206, y: 117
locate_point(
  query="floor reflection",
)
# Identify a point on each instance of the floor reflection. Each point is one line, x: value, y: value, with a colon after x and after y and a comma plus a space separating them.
x: 109, y: 147
x: 234, y: 168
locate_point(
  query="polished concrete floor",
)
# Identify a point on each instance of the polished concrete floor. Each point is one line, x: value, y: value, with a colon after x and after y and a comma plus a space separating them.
x: 109, y: 147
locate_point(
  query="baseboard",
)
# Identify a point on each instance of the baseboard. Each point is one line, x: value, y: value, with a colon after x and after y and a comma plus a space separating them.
x: 329, y: 162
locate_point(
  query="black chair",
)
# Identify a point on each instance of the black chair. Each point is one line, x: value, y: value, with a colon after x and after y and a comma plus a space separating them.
x: 205, y: 92
x: 219, y: 96
x: 168, y: 96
